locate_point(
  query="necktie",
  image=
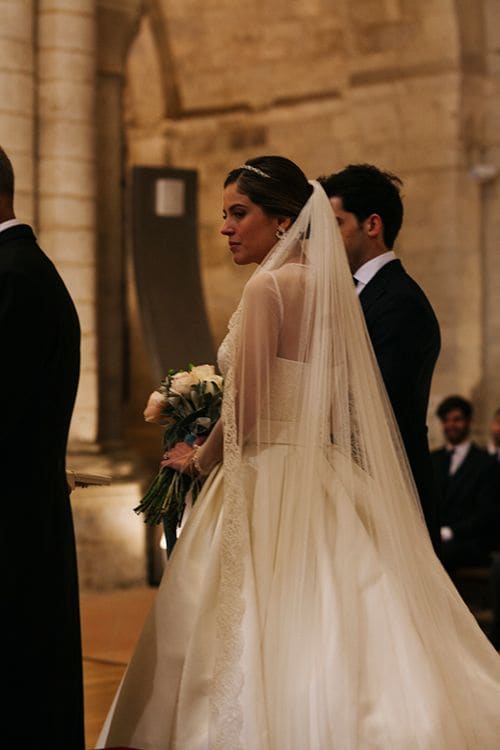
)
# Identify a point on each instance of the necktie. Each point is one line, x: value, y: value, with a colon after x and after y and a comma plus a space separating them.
x: 447, y: 464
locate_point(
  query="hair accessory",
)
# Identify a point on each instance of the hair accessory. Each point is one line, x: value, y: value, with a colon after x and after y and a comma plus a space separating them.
x: 256, y: 170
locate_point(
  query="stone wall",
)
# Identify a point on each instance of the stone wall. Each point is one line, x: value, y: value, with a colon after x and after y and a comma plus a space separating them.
x: 17, y: 99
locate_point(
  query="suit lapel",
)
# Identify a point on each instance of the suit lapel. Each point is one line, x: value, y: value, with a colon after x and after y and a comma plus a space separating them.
x: 377, y: 285
x: 444, y: 480
x: 463, y: 470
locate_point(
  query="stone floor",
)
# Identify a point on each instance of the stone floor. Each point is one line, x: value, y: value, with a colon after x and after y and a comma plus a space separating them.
x: 111, y: 624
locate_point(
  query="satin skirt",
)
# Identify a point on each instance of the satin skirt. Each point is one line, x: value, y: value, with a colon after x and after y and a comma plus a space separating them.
x: 346, y: 668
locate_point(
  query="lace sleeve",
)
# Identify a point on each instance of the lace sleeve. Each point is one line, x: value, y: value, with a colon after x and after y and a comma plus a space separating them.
x: 259, y: 345
x: 260, y: 333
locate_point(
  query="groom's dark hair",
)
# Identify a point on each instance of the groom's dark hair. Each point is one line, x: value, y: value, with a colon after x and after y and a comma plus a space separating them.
x: 6, y: 175
x: 366, y: 190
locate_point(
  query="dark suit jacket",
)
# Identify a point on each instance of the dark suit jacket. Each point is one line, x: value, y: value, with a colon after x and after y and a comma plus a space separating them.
x: 470, y: 498
x: 405, y: 336
x: 40, y: 352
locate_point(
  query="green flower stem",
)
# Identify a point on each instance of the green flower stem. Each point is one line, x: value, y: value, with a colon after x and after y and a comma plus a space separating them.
x: 167, y: 493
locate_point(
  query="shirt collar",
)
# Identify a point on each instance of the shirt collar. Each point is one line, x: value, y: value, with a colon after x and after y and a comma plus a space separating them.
x: 461, y: 449
x: 367, y: 271
x: 9, y: 223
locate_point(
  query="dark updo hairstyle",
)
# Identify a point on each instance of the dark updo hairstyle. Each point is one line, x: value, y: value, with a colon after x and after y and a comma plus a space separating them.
x: 282, y: 189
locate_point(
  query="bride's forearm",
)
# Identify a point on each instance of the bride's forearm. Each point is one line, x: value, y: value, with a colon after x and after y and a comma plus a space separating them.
x: 210, y: 453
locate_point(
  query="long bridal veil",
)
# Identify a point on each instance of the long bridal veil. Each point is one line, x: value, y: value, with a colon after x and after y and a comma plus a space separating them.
x: 324, y: 550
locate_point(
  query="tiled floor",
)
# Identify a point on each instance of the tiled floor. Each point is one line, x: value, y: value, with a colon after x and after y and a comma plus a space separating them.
x: 111, y: 624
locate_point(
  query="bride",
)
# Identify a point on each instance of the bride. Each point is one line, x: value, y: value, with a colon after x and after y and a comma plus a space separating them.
x: 303, y: 607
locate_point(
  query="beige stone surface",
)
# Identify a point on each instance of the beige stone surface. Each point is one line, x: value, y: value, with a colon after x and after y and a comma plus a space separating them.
x: 17, y: 19
x: 66, y: 174
x: 111, y: 539
x: 17, y: 97
x: 75, y: 138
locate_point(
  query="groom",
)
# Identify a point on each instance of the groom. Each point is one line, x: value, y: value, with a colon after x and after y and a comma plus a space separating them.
x: 42, y: 704
x: 401, y: 323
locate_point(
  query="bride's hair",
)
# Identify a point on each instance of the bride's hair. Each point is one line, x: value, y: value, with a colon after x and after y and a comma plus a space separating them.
x: 274, y: 183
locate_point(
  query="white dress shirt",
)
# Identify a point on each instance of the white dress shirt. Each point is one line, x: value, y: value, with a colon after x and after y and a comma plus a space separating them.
x: 460, y: 452
x: 9, y: 223
x: 494, y: 450
x: 367, y: 271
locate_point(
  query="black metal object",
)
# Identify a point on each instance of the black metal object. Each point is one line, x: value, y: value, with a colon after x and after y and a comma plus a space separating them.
x: 163, y: 244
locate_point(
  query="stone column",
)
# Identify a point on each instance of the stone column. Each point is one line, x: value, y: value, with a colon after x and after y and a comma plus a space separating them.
x: 491, y: 216
x: 111, y: 539
x: 66, y: 209
x: 116, y: 24
x: 16, y: 99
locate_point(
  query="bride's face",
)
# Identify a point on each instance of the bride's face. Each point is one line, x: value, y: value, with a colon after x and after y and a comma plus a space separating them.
x: 251, y: 232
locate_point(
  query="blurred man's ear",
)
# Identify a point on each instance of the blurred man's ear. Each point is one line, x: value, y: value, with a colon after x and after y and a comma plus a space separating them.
x: 6, y: 207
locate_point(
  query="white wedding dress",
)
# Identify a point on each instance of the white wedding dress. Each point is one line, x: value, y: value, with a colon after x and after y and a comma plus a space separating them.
x: 359, y: 660
x: 303, y: 607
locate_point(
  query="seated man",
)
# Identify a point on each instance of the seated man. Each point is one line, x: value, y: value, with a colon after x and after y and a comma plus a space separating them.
x: 494, y: 441
x: 469, y: 483
x: 494, y: 450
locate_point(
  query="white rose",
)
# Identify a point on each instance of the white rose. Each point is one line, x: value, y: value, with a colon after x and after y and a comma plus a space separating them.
x: 203, y: 372
x: 182, y: 381
x: 218, y: 380
x: 212, y: 382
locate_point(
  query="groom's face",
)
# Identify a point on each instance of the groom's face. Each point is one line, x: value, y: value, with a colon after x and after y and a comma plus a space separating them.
x: 353, y: 233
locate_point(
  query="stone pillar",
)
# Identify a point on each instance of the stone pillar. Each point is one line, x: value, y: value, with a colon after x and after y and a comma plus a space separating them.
x: 66, y: 209
x: 16, y: 99
x: 111, y: 539
x: 491, y: 208
x: 488, y: 391
x: 490, y: 194
x: 116, y: 24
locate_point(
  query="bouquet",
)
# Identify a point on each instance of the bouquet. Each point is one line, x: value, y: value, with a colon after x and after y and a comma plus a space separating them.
x: 188, y: 403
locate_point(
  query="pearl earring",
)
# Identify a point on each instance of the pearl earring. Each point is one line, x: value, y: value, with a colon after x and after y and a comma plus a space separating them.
x: 280, y: 232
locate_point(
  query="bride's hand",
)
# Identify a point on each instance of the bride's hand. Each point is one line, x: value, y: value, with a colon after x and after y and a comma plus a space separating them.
x: 179, y: 458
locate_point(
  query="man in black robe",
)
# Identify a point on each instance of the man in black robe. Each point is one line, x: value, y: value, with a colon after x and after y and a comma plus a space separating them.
x: 42, y: 704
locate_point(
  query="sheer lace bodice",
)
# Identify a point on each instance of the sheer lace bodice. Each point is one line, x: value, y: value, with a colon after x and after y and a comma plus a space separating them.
x: 285, y: 377
x: 284, y: 389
